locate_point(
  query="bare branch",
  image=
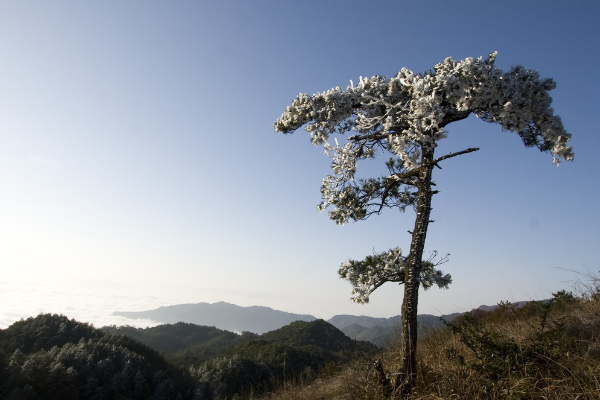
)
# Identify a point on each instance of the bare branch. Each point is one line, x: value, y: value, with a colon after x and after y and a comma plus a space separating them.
x: 458, y: 153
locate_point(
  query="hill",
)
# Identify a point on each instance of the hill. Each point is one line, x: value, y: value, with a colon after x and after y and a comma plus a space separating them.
x: 377, y: 335
x: 188, y: 344
x: 299, y: 351
x: 225, y: 363
x: 53, y: 357
x: 259, y: 320
x: 203, y: 341
x: 342, y: 321
x: 383, y: 331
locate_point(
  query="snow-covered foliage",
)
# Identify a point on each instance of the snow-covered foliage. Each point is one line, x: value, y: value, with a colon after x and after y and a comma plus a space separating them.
x: 408, y: 112
x: 405, y: 116
x: 390, y: 266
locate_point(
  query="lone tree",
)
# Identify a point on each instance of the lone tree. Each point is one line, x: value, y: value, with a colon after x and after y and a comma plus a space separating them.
x: 406, y: 116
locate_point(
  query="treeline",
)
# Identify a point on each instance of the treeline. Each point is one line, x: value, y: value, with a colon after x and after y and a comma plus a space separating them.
x: 54, y: 357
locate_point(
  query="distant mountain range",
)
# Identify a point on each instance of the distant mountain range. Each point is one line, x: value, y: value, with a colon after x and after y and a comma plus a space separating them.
x: 259, y: 320
x: 221, y: 315
x: 383, y: 331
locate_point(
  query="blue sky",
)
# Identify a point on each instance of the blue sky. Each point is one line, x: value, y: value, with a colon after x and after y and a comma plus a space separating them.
x: 137, y: 148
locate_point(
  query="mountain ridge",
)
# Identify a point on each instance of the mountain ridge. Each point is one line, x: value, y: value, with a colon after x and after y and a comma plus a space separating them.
x: 262, y: 319
x: 223, y: 315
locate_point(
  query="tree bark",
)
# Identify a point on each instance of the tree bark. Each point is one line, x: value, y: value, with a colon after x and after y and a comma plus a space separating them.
x: 411, y: 282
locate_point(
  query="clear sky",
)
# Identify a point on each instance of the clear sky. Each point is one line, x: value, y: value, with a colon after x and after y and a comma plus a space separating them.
x: 138, y: 157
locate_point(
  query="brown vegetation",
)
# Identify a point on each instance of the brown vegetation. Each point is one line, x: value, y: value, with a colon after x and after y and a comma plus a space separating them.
x: 544, y: 350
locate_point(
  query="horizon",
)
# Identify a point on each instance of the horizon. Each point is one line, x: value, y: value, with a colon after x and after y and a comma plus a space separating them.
x: 139, y: 164
x: 73, y: 305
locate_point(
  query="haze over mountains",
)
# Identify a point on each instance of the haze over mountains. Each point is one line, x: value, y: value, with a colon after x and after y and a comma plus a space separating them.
x: 259, y: 320
x: 226, y: 316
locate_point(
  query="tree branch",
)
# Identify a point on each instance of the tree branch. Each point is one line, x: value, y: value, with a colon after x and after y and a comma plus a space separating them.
x: 369, y: 136
x: 453, y: 116
x: 411, y: 173
x: 458, y: 153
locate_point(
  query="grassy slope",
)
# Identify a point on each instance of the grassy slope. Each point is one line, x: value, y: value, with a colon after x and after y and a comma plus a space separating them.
x: 540, y: 351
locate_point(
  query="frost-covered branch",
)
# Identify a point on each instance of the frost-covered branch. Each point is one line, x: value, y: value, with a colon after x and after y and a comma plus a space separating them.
x: 407, y: 113
x: 390, y: 266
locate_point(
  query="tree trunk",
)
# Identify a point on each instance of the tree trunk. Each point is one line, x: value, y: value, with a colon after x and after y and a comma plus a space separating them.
x: 413, y: 270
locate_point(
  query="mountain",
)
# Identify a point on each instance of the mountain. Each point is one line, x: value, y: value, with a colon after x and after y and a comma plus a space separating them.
x: 342, y: 321
x: 382, y: 331
x: 298, y: 351
x: 318, y: 333
x: 354, y: 330
x: 189, y: 343
x: 225, y: 363
x: 378, y: 335
x: 54, y: 357
x: 172, y: 338
x: 425, y: 321
x: 259, y: 320
x: 222, y: 315
x: 517, y: 304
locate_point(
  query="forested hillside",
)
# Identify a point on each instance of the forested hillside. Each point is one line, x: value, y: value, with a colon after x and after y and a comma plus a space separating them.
x: 54, y: 357
x: 206, y: 340
x: 546, y: 349
x: 232, y: 363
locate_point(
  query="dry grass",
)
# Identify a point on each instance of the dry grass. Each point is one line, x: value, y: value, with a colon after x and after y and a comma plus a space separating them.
x: 541, y: 351
x: 352, y: 383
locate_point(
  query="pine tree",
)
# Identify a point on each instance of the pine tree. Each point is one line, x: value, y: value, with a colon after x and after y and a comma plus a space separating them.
x: 406, y: 116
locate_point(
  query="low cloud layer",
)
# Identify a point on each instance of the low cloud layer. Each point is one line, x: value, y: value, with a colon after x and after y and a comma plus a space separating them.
x: 92, y: 302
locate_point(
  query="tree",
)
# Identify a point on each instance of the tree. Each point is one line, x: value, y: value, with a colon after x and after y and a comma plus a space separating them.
x: 406, y: 116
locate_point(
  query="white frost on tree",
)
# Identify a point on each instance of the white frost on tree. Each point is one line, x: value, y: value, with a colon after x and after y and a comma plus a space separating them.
x: 405, y: 116
x: 409, y: 111
x: 390, y: 266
